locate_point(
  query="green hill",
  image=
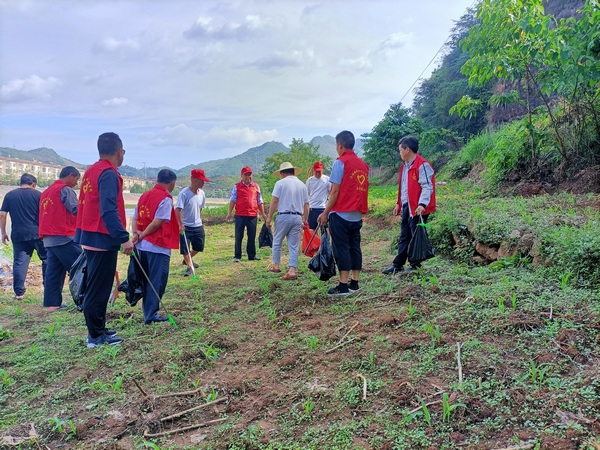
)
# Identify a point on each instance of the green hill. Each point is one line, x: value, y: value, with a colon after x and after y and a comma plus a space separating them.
x: 42, y: 154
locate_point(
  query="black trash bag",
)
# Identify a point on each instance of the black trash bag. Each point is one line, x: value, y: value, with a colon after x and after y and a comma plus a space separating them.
x: 419, y: 248
x: 133, y: 286
x: 265, y: 237
x: 323, y: 263
x: 78, y: 280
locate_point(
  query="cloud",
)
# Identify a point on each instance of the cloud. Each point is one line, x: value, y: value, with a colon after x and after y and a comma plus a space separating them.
x: 206, y: 28
x: 32, y: 88
x: 183, y: 135
x: 280, y: 60
x: 245, y: 136
x: 112, y: 45
x: 385, y: 49
x: 97, y: 78
x: 393, y: 42
x: 115, y: 101
x: 360, y: 64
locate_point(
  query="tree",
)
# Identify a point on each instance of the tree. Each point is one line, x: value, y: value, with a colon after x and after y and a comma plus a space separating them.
x: 447, y: 84
x: 541, y: 58
x: 302, y: 154
x: 381, y: 144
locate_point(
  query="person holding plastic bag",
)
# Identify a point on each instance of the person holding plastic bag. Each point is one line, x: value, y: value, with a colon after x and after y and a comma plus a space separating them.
x: 416, y: 200
x: 157, y: 229
x: 348, y: 201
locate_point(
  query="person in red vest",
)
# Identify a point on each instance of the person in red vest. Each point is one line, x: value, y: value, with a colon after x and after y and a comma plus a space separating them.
x: 348, y: 202
x: 58, y: 214
x: 157, y: 230
x: 416, y: 198
x: 101, y: 231
x: 247, y: 201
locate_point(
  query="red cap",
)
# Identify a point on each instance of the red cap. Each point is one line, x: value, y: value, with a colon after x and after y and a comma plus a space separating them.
x: 199, y: 174
x: 246, y: 169
x: 318, y: 167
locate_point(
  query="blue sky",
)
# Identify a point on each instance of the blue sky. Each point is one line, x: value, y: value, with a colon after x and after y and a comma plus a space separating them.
x: 184, y: 82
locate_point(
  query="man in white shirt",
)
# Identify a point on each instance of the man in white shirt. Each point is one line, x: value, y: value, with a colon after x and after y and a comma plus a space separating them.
x: 190, y: 202
x: 290, y: 198
x: 318, y: 190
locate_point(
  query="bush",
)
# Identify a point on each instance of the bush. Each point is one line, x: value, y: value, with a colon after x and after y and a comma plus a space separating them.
x: 506, y: 152
x: 472, y: 153
x: 574, y: 249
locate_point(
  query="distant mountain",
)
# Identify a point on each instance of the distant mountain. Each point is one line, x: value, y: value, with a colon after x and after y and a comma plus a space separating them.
x: 218, y: 169
x: 254, y: 157
x: 327, y: 145
x: 42, y: 154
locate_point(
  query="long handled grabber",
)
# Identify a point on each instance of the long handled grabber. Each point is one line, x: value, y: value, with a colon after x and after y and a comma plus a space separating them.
x: 187, y: 247
x: 160, y: 302
x: 115, y: 293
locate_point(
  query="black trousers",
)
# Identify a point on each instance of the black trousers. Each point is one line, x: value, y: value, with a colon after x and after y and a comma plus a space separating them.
x: 345, y: 242
x: 101, y: 267
x: 60, y: 260
x: 312, y: 217
x: 408, y: 225
x: 245, y: 223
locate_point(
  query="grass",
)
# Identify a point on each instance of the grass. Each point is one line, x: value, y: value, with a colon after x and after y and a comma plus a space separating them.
x: 529, y: 370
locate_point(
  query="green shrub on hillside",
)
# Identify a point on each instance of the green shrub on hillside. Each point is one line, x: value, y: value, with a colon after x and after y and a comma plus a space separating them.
x: 507, y: 151
x: 472, y: 153
x: 574, y: 249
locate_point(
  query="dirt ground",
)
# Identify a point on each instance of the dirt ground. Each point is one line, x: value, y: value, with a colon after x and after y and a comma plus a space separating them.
x: 260, y: 378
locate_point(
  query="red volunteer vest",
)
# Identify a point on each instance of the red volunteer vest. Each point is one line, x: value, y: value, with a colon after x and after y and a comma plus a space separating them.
x: 247, y: 199
x: 55, y: 220
x: 167, y: 236
x: 354, y: 188
x: 414, y: 188
x: 88, y: 213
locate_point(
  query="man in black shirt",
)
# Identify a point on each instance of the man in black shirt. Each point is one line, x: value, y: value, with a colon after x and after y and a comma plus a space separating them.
x: 23, y: 204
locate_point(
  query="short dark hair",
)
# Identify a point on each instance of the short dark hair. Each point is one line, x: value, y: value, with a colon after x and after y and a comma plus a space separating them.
x: 69, y: 170
x: 109, y: 143
x: 409, y: 142
x: 290, y: 171
x: 346, y: 138
x: 27, y: 179
x: 165, y: 176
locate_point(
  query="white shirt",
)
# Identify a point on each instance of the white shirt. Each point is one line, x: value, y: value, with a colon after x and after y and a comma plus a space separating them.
x: 292, y: 194
x: 318, y: 191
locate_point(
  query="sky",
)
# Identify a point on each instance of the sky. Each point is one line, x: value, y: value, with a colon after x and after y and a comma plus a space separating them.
x: 187, y: 81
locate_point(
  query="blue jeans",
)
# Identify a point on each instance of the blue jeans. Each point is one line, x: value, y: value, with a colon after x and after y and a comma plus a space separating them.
x: 22, y: 252
x: 156, y: 266
x: 60, y: 260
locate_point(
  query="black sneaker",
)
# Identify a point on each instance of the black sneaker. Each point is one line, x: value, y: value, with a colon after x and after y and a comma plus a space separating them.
x: 188, y: 272
x: 339, y: 290
x: 391, y: 270
x: 353, y: 286
x: 256, y: 258
x: 183, y: 263
x: 103, y: 339
x: 156, y: 318
x: 109, y: 332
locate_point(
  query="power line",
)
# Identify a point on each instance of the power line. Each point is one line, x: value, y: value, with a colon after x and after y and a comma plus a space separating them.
x: 432, y: 59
